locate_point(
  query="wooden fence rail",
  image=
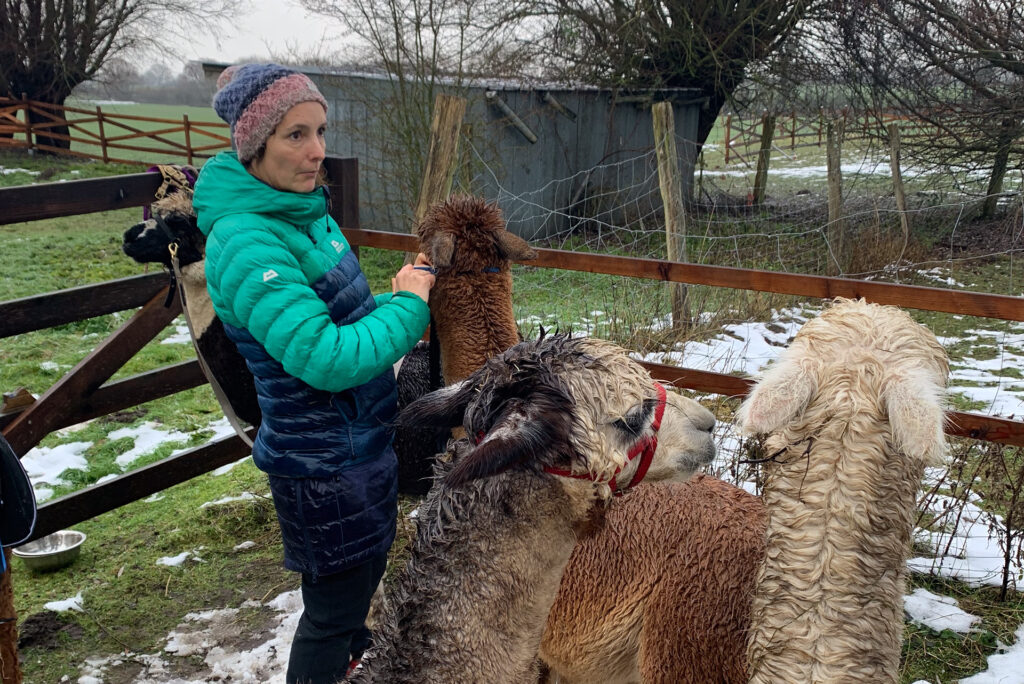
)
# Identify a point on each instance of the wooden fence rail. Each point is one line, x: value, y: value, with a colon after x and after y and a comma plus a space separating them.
x: 961, y: 423
x: 23, y: 122
x: 793, y: 130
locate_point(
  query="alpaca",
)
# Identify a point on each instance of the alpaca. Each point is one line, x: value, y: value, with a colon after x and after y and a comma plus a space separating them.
x: 854, y: 412
x: 172, y: 219
x: 471, y: 301
x: 673, y: 603
x: 551, y: 423
x: 600, y: 606
x: 416, y: 449
x: 473, y: 321
x: 471, y: 314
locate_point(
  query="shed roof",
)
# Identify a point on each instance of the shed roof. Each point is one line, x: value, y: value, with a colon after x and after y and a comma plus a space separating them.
x: 678, y: 95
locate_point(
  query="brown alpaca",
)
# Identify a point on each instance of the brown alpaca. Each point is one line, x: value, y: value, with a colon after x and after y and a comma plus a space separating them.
x: 672, y: 605
x: 471, y: 301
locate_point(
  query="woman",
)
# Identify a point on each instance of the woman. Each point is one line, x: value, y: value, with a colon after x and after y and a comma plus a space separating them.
x: 292, y: 296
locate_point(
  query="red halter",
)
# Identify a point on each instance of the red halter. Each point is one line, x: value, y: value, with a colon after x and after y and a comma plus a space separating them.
x: 644, y: 448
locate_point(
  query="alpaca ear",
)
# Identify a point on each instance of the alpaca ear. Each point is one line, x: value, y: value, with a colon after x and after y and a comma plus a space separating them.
x: 782, y: 394
x: 441, y: 250
x: 914, y: 402
x: 527, y: 429
x: 440, y: 409
x: 513, y: 247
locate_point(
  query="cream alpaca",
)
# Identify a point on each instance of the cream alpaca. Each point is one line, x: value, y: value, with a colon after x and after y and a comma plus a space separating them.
x: 854, y: 409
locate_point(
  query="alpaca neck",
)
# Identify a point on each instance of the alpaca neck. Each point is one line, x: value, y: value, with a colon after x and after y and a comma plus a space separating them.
x: 474, y: 598
x: 474, y: 320
x: 197, y: 298
x: 828, y: 605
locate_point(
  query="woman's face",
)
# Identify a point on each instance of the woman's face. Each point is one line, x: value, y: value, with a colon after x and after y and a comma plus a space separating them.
x: 294, y: 150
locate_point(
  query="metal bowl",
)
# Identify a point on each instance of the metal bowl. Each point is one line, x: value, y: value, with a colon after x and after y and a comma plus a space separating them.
x: 52, y: 551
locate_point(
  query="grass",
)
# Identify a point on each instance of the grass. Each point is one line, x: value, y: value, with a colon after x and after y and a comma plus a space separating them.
x: 131, y: 602
x: 947, y: 656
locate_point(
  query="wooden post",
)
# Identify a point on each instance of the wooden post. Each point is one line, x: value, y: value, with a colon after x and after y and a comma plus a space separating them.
x: 763, y: 157
x: 728, y: 125
x: 836, y: 225
x: 28, y: 120
x: 897, y: 180
x: 792, y: 132
x: 441, y: 156
x: 103, y: 136
x: 10, y: 668
x: 188, y: 138
x: 672, y: 199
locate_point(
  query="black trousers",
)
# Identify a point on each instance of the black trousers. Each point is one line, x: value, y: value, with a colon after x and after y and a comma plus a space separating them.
x: 331, y: 630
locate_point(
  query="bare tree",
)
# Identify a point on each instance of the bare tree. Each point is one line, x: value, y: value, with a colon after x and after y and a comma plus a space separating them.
x: 47, y: 47
x: 954, y: 67
x: 704, y: 44
x: 417, y: 48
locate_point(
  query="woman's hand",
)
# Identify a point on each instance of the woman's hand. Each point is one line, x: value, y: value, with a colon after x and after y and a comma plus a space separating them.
x: 417, y: 278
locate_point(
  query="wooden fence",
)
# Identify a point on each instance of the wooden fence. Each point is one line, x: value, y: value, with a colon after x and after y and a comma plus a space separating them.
x: 742, y: 136
x: 24, y: 123
x: 84, y: 392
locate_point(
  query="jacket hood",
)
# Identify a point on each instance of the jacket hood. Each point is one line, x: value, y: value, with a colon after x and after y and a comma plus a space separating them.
x: 225, y: 187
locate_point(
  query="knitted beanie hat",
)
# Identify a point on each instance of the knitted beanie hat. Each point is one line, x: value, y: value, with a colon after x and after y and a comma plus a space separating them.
x: 253, y: 98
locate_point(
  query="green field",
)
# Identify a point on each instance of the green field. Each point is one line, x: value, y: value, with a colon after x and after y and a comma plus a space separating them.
x: 132, y: 602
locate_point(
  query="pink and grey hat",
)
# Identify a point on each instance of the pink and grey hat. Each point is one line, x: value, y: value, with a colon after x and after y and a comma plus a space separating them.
x: 253, y: 98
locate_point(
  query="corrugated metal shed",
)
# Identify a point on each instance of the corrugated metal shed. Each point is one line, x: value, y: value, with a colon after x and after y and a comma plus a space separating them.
x: 580, y: 154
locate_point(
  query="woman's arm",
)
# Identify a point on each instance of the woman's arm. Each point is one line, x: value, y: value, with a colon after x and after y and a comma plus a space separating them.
x: 256, y: 283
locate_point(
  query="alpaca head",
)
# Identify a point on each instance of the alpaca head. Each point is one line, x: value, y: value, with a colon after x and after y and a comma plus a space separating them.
x: 467, y: 235
x: 858, y: 359
x: 567, y: 405
x: 172, y: 219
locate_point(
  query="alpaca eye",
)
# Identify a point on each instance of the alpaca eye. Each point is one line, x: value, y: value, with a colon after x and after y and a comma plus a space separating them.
x: 636, y: 419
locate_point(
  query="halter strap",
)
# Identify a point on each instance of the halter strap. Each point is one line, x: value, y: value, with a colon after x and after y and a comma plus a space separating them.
x: 644, y: 448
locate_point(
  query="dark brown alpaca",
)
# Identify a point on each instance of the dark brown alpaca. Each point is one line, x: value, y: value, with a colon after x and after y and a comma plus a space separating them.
x: 471, y: 302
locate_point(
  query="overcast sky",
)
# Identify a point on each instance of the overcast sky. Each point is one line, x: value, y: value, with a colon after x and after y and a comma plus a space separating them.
x: 265, y: 28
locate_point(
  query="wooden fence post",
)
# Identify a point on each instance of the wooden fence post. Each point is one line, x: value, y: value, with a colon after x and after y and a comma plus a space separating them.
x: 10, y: 667
x: 836, y: 224
x: 763, y: 158
x: 672, y: 199
x: 28, y: 119
x: 188, y: 138
x: 897, y: 180
x: 441, y: 156
x: 103, y: 137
